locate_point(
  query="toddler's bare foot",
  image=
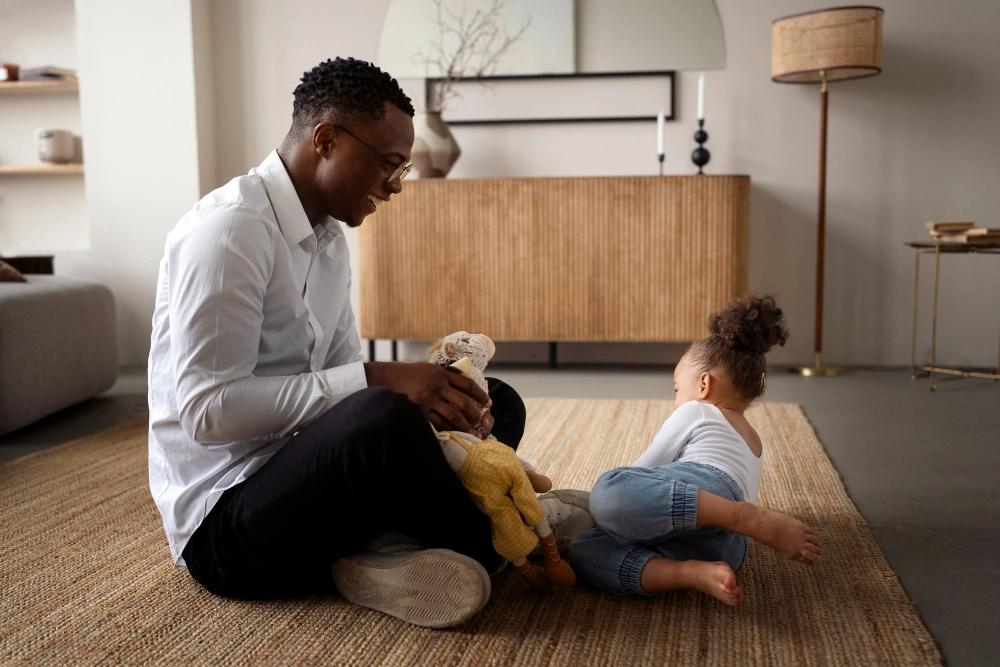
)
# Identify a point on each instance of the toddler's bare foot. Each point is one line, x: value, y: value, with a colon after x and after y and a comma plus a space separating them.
x: 715, y: 579
x: 788, y: 536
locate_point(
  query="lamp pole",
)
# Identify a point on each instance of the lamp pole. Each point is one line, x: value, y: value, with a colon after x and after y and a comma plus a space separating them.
x: 832, y: 44
x: 821, y: 218
x: 818, y: 368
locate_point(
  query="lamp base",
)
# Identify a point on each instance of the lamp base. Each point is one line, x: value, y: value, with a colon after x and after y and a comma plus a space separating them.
x: 819, y: 370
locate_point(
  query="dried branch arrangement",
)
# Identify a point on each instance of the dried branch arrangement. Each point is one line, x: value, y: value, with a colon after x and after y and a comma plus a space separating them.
x: 466, y: 46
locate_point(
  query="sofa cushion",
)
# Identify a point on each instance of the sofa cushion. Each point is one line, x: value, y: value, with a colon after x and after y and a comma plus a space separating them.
x: 58, y: 346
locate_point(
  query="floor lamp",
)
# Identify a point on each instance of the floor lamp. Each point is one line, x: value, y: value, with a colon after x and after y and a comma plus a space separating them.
x: 819, y: 47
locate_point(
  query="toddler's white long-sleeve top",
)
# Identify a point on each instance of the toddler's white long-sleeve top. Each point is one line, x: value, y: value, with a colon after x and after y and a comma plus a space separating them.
x: 700, y: 433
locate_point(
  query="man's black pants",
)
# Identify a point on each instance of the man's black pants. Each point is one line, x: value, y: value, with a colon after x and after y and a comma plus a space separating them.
x: 367, y: 466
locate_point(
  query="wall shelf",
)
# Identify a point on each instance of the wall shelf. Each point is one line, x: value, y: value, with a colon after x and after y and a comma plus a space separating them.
x: 40, y: 169
x: 38, y: 87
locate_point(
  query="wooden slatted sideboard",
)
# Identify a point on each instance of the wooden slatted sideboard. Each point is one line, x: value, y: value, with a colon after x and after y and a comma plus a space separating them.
x: 555, y: 259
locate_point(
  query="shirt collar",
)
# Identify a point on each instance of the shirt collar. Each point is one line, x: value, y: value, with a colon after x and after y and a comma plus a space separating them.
x: 327, y: 232
x: 291, y: 217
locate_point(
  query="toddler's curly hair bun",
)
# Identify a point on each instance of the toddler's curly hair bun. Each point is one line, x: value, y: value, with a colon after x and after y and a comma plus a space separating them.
x: 752, y: 322
x: 739, y: 336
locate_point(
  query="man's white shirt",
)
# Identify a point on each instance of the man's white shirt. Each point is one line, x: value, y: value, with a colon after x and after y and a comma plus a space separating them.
x: 253, y: 337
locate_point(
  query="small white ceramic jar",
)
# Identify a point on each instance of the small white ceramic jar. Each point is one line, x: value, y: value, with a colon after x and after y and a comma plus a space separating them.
x: 55, y: 145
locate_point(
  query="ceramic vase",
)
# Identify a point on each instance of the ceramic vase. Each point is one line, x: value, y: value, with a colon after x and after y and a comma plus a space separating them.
x: 434, y: 148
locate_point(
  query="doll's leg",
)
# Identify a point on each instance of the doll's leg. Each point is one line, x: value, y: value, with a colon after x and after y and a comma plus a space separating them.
x: 557, y: 570
x: 514, y: 540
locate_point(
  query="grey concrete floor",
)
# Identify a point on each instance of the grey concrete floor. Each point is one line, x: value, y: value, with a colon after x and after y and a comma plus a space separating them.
x: 921, y: 466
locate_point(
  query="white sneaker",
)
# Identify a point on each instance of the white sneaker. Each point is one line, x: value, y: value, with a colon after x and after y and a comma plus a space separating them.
x: 433, y: 588
x: 568, y: 514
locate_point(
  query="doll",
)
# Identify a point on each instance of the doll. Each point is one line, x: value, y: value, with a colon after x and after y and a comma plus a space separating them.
x: 500, y: 483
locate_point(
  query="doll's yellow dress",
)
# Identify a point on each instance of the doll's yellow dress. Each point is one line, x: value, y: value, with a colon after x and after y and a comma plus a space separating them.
x: 493, y: 474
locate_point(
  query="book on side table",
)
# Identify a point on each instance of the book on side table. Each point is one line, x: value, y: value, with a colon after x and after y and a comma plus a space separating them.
x: 962, y: 233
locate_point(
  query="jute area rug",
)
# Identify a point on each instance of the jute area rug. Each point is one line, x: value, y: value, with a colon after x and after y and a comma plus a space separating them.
x: 86, y: 576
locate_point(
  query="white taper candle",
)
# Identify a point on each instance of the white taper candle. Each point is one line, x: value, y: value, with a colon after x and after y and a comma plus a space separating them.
x: 659, y: 133
x: 701, y: 97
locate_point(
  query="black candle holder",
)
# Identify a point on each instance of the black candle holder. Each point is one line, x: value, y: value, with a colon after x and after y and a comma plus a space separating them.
x: 700, y: 156
x: 660, y: 157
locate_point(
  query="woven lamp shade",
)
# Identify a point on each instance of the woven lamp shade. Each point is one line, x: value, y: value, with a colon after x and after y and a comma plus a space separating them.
x: 842, y: 43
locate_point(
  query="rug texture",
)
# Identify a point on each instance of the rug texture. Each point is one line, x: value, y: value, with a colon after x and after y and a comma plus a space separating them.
x: 86, y: 576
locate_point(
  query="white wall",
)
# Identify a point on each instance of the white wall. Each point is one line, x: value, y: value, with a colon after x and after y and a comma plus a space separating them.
x: 260, y: 51
x: 628, y: 35
x: 38, y: 214
x: 137, y: 98
x: 204, y: 93
x: 917, y: 143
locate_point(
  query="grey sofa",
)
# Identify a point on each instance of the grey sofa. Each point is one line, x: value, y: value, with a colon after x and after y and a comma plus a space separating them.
x: 58, y: 346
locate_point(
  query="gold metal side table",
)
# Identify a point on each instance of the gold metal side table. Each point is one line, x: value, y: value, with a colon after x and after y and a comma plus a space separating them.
x: 938, y: 249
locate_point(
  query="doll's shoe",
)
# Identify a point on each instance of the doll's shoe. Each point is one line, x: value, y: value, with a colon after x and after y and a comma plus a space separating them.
x: 568, y: 514
x: 557, y: 570
x: 433, y: 588
x: 534, y: 576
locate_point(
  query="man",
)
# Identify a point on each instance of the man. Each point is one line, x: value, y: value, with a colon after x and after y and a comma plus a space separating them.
x: 274, y: 450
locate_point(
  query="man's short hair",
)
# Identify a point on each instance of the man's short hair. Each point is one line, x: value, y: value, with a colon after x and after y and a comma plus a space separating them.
x: 345, y: 89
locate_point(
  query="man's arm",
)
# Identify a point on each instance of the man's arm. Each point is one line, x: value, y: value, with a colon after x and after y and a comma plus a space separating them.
x: 218, y: 272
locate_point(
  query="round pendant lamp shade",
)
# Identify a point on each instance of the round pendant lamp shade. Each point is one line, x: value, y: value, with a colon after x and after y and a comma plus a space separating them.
x: 835, y: 44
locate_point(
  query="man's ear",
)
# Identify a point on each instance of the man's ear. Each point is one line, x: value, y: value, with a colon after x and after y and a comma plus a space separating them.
x: 324, y: 138
x: 705, y: 385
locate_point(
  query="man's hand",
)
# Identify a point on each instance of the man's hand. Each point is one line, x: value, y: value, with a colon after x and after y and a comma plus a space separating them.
x: 450, y: 400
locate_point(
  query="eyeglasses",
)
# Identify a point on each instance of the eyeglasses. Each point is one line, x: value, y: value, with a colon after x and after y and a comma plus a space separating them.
x: 399, y: 170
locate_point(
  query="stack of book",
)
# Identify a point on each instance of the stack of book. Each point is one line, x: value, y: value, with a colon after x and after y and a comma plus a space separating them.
x: 965, y: 233
x: 47, y: 74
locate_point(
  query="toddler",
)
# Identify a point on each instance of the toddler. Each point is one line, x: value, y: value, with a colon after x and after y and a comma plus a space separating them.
x: 681, y: 515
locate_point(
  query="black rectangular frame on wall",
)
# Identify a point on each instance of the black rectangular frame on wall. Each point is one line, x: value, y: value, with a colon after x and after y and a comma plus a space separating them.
x: 549, y: 94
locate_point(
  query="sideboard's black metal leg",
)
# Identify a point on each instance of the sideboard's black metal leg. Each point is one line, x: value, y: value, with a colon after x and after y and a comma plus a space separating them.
x: 371, y: 349
x: 553, y: 358
x: 395, y: 351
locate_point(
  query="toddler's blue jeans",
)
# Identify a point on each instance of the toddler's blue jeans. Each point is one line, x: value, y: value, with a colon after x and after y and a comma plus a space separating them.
x: 642, y: 513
